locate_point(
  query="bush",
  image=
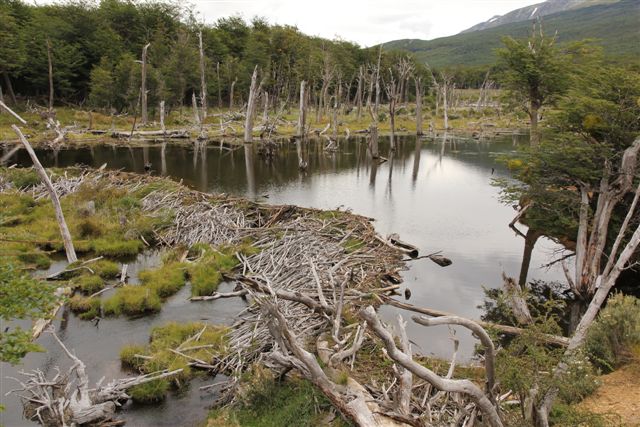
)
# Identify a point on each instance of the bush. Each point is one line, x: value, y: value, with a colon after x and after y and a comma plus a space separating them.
x: 116, y: 248
x: 614, y: 333
x: 150, y: 392
x: 106, y: 269
x: 166, y: 280
x: 86, y: 308
x: 133, y: 301
x: 89, y: 284
x: 128, y: 356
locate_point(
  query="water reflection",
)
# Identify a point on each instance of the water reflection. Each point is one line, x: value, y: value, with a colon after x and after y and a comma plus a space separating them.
x: 436, y: 194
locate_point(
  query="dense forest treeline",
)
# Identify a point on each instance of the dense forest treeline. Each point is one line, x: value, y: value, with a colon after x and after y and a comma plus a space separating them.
x: 95, y: 50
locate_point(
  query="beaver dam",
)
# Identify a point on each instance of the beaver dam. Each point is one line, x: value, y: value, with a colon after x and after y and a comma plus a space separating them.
x: 200, y: 259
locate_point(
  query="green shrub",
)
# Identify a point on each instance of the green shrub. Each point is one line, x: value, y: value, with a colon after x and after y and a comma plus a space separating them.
x: 86, y: 308
x: 106, y: 269
x: 150, y: 392
x: 166, y: 280
x: 89, y: 284
x: 116, y: 248
x: 128, y: 356
x: 133, y: 301
x: 22, y: 177
x: 615, y: 332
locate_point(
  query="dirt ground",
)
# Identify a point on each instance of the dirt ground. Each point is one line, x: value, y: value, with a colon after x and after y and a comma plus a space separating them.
x: 618, y: 395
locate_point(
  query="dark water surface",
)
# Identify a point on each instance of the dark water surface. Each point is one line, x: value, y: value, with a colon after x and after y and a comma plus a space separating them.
x: 436, y: 195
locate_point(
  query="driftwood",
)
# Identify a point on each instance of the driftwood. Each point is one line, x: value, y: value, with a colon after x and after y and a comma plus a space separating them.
x: 173, y: 133
x: 68, y: 400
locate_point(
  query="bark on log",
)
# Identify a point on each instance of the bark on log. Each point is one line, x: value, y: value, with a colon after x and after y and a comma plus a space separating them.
x: 143, y: 86
x: 457, y: 386
x: 64, y: 230
x: 506, y: 329
x: 251, y: 106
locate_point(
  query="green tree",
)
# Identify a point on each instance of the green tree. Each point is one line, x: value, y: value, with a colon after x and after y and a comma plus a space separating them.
x: 535, y: 74
x: 21, y: 297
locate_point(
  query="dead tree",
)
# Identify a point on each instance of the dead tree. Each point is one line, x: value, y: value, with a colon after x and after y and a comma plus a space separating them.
x: 359, y: 93
x: 233, y: 85
x: 219, y: 85
x: 67, y: 399
x: 418, y: 83
x: 62, y: 224
x: 606, y: 283
x: 592, y: 232
x: 303, y: 110
x: 196, y: 113
x: 392, y: 93
x: 203, y: 82
x: 446, y: 82
x: 144, y: 117
x: 50, y: 62
x: 254, y: 90
x: 162, y: 127
x: 13, y: 113
x: 377, y: 104
x: 465, y: 387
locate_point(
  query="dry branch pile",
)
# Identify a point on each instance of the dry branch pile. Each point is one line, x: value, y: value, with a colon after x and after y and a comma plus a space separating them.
x: 308, y: 284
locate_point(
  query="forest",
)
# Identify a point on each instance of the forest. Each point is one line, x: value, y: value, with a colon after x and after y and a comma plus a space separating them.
x: 233, y: 223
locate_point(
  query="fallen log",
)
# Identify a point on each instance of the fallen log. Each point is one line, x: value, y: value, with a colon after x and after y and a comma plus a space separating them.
x: 175, y: 133
x: 506, y: 329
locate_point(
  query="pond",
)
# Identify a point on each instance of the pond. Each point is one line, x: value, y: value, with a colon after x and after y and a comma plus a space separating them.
x: 436, y: 194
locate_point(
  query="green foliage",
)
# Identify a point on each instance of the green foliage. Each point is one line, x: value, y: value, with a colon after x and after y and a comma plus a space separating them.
x: 196, y: 340
x: 615, y: 333
x: 133, y: 301
x: 164, y: 281
x: 86, y: 308
x: 150, y: 392
x: 564, y: 415
x: 21, y: 297
x: 89, y: 284
x: 206, y: 273
x: 352, y: 244
x: 271, y: 403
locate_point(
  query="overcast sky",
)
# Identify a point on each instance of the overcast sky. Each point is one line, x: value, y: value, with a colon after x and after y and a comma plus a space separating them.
x: 366, y: 22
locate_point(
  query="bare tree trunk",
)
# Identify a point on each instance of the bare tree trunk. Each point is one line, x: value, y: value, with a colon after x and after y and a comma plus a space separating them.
x: 530, y: 240
x: 359, y: 94
x: 377, y: 104
x: 194, y: 103
x: 303, y: 110
x: 203, y: 82
x: 373, y: 140
x: 219, y: 87
x: 418, y: 82
x: 13, y: 113
x: 9, y: 86
x: 164, y: 130
x: 64, y: 230
x: 251, y: 106
x: 50, y: 61
x: 1, y: 98
x: 444, y: 106
x: 233, y: 85
x: 265, y: 111
x: 144, y: 118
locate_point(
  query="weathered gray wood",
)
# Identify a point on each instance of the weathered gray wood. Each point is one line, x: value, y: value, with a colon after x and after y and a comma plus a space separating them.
x: 203, y: 82
x: 64, y: 230
x: 143, y: 86
x: 251, y: 106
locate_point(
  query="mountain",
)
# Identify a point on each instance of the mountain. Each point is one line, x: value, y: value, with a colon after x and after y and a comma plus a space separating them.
x: 535, y: 11
x: 614, y: 26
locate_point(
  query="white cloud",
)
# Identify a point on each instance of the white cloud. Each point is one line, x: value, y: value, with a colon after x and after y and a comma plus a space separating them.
x: 366, y: 22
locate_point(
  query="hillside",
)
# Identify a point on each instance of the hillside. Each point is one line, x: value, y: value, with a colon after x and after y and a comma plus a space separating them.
x: 535, y: 11
x: 614, y: 26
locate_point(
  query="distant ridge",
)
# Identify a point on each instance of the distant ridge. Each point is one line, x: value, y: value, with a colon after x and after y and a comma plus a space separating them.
x: 614, y: 25
x: 535, y: 11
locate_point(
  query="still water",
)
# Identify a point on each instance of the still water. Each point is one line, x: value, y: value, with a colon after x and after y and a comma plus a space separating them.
x: 436, y: 194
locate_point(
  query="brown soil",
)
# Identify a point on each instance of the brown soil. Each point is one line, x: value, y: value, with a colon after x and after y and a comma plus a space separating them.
x: 618, y: 395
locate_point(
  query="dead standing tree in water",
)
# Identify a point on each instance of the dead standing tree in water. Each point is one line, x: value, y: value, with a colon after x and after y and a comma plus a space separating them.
x: 144, y: 117
x: 393, y: 94
x: 418, y: 83
x: 254, y: 91
x: 203, y: 82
